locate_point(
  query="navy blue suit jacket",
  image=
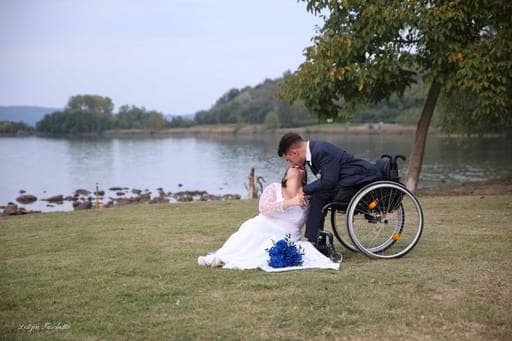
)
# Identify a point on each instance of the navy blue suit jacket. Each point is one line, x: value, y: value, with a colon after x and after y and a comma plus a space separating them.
x: 338, y: 168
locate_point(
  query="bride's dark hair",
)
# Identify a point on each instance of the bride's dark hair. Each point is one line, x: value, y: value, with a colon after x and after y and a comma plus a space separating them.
x: 304, y: 178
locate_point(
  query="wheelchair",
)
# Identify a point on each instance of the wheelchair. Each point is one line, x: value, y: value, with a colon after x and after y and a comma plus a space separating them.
x: 382, y: 220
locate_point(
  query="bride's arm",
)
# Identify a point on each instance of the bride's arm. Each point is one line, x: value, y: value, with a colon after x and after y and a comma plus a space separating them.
x: 269, y: 204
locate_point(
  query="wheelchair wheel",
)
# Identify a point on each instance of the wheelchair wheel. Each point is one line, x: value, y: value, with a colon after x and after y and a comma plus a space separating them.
x: 339, y: 228
x: 384, y: 220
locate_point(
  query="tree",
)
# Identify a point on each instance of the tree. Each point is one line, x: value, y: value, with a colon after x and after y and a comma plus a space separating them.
x: 456, y: 113
x: 130, y: 117
x: 271, y: 121
x: 180, y: 122
x: 133, y: 117
x: 11, y: 128
x: 83, y: 114
x: 155, y: 120
x: 367, y: 51
x: 228, y: 96
x: 90, y: 103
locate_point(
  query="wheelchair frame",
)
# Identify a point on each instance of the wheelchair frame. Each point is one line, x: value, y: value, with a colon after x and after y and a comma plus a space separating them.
x: 383, y: 219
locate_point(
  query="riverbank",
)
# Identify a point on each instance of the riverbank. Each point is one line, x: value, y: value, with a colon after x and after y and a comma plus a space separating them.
x: 489, y: 187
x: 130, y: 272
x: 121, y: 196
x: 258, y: 129
x: 82, y: 199
x: 249, y: 129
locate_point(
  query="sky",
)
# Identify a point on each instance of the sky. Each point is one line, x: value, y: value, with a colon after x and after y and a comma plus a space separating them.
x: 174, y: 56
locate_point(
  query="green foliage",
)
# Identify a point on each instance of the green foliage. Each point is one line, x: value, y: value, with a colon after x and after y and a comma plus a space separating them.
x: 133, y: 117
x: 73, y: 122
x: 180, y: 122
x: 252, y: 105
x: 405, y: 109
x: 10, y: 127
x: 92, y: 114
x: 457, y: 113
x: 368, y: 51
x: 271, y: 121
x: 235, y: 107
x: 90, y: 104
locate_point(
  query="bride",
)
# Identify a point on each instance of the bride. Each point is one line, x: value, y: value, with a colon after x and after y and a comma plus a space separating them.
x: 283, y: 209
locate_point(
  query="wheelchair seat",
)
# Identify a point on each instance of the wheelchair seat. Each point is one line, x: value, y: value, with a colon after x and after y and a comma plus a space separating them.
x: 388, y: 166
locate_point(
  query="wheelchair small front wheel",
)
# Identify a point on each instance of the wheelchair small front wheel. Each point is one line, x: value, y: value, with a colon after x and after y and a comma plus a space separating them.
x: 384, y: 220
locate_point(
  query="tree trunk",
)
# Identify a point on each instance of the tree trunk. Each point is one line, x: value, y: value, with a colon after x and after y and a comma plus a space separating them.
x: 416, y: 157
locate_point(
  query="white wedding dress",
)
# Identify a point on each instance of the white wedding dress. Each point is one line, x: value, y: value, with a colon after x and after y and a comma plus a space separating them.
x: 246, y: 248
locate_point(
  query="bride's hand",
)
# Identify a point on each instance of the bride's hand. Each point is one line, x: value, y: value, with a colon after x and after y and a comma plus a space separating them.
x: 300, y: 199
x: 304, y: 200
x: 297, y: 200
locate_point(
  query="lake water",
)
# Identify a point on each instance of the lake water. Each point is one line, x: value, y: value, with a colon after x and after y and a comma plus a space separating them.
x: 220, y: 165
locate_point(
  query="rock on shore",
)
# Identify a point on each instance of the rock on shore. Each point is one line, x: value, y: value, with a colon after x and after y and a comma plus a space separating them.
x: 26, y: 199
x: 82, y: 191
x: 13, y: 209
x: 55, y: 199
x: 81, y: 198
x: 82, y: 205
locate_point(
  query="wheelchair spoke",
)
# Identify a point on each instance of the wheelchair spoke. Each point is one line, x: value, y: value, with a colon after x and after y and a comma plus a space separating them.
x: 388, y: 206
x: 376, y: 234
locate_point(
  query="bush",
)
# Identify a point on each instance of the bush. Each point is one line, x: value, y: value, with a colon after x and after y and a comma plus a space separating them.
x: 271, y: 121
x: 10, y: 127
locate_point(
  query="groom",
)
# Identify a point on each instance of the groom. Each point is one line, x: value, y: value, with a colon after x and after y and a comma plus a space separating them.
x: 339, y: 176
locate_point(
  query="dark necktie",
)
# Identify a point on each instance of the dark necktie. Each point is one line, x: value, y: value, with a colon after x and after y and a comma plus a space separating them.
x: 313, y: 169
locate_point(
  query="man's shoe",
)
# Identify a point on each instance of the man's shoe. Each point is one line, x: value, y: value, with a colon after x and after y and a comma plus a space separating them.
x: 325, y: 245
x: 333, y: 254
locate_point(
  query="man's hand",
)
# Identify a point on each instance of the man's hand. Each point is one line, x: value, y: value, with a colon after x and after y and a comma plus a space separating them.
x: 304, y: 199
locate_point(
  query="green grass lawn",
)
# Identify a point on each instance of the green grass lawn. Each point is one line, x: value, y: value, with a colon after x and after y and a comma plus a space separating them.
x: 131, y: 272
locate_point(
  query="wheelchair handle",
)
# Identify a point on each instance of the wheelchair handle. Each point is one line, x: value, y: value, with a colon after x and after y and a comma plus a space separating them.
x: 393, y: 164
x: 399, y: 156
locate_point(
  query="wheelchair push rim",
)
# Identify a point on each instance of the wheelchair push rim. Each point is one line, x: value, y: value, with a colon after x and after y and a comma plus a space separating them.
x: 384, y: 220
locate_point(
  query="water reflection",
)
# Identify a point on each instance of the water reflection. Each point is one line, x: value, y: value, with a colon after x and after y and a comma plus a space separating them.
x: 219, y: 165
x: 90, y: 159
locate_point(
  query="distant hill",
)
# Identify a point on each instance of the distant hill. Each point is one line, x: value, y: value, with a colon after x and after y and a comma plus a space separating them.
x: 256, y: 104
x: 27, y: 114
x: 260, y: 104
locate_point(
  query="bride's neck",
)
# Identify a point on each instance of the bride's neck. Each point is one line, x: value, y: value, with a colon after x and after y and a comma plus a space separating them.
x: 292, y: 188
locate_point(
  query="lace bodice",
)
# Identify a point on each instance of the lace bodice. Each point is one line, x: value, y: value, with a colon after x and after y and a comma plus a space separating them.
x: 271, y: 207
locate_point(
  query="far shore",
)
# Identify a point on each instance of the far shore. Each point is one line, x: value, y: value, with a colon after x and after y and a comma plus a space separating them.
x: 250, y: 129
x: 257, y: 129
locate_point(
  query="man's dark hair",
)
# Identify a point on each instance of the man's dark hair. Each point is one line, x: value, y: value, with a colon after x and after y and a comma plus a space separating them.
x: 287, y: 141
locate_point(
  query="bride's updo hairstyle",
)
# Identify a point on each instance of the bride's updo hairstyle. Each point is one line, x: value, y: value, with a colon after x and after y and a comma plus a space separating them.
x: 304, y: 177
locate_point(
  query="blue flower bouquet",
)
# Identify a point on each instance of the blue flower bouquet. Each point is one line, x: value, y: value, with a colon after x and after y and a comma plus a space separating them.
x: 284, y: 253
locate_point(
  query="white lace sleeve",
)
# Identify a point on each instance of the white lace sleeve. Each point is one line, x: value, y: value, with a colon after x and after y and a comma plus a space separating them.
x: 269, y: 203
